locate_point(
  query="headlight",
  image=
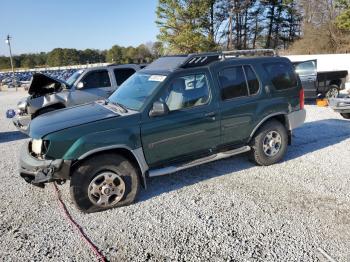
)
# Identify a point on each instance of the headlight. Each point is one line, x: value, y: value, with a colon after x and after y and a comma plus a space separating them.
x: 22, y: 105
x: 37, y: 145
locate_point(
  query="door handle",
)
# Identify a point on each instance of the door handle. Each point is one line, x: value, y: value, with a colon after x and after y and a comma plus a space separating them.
x: 210, y: 114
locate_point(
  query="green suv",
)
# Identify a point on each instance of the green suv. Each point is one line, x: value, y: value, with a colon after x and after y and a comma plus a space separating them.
x: 178, y: 112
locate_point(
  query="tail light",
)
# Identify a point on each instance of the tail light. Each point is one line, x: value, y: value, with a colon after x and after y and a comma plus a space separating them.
x: 301, y: 98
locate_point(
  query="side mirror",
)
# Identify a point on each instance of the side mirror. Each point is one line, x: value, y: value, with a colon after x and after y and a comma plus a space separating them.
x: 80, y: 85
x: 159, y: 109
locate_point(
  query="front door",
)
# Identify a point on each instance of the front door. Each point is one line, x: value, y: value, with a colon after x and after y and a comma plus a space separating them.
x: 190, y: 129
x: 95, y: 85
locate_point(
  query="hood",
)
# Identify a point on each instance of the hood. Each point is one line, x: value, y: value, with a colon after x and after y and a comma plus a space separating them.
x: 42, y: 84
x: 69, y: 117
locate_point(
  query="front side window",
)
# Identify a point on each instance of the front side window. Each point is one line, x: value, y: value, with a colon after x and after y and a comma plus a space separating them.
x: 97, y: 79
x: 186, y: 92
x: 281, y: 74
x: 233, y: 83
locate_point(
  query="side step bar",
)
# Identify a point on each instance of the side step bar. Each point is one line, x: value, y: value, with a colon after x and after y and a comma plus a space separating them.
x: 175, y: 168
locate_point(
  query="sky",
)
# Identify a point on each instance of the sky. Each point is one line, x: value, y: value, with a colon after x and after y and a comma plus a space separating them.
x: 41, y: 25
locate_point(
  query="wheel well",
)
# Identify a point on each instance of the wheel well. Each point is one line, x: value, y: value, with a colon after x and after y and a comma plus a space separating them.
x: 336, y: 82
x: 55, y: 106
x: 280, y: 118
x: 120, y: 151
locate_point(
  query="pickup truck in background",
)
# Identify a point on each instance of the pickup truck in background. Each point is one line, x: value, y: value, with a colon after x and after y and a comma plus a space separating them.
x: 327, y: 75
x: 47, y: 94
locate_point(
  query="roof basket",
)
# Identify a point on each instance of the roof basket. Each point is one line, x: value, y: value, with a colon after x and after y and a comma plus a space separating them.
x: 202, y: 59
x: 250, y: 52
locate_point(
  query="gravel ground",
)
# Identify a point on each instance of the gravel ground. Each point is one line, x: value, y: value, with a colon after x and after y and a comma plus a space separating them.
x: 228, y: 210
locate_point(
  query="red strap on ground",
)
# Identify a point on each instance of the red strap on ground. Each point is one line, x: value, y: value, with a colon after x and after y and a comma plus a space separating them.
x: 77, y: 227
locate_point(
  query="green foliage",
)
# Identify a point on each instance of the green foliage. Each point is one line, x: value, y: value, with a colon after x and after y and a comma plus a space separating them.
x: 183, y: 25
x: 343, y: 20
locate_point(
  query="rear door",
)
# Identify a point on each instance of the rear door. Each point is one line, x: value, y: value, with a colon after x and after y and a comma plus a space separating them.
x: 307, y: 71
x: 96, y: 85
x: 240, y: 88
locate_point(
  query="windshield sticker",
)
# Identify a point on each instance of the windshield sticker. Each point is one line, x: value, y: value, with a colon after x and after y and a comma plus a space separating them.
x: 157, y: 78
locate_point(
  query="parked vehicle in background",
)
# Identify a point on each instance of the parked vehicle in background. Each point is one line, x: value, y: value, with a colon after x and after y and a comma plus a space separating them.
x: 48, y: 94
x: 341, y: 105
x: 323, y: 74
x: 178, y: 112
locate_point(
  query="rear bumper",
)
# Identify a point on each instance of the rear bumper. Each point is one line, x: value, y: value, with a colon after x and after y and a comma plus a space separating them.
x: 296, y: 119
x: 38, y: 172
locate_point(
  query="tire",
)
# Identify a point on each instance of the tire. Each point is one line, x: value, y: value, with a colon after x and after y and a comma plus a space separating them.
x: 274, y: 131
x: 345, y: 115
x: 333, y: 92
x: 86, y: 181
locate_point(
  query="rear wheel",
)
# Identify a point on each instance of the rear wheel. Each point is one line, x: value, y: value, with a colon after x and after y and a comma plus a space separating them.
x: 333, y: 92
x: 106, y: 181
x: 270, y: 143
x: 345, y: 115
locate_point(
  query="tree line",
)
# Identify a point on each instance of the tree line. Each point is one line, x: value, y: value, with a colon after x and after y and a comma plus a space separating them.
x: 144, y: 53
x: 207, y: 25
x: 188, y: 26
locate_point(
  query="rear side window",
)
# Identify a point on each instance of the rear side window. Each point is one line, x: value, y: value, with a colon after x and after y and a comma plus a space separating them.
x: 121, y: 74
x: 253, y: 82
x: 233, y: 83
x: 281, y: 74
x: 97, y: 79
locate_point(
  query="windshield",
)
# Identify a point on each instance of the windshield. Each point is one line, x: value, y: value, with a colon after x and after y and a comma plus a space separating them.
x: 133, y: 93
x: 71, y: 80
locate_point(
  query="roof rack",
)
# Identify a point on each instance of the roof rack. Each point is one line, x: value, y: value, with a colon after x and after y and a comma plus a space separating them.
x: 249, y: 52
x: 202, y: 59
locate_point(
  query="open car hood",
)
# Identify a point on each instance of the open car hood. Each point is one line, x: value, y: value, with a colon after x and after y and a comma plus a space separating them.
x: 42, y: 84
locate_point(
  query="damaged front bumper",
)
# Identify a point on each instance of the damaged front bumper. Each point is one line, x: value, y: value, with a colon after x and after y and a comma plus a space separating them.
x: 22, y: 122
x: 38, y: 172
x: 340, y: 105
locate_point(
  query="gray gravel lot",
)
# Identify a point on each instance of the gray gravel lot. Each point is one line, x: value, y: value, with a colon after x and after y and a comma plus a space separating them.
x: 228, y: 210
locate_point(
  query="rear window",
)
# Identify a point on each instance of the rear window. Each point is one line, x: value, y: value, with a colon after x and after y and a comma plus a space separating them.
x: 121, y: 74
x: 281, y: 74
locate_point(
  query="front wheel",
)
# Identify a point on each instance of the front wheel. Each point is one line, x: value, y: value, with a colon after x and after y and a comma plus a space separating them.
x: 345, y: 115
x: 270, y: 143
x: 104, y: 182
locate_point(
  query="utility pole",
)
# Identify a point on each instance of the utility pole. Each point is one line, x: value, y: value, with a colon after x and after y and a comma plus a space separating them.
x: 8, y: 38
